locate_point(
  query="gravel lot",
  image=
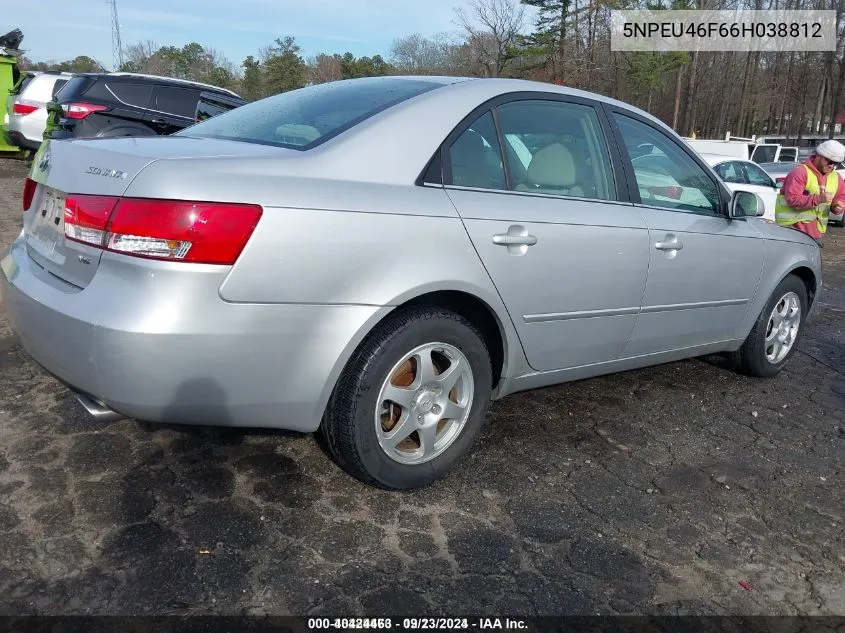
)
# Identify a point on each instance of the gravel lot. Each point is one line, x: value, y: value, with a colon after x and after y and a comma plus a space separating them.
x: 683, y: 488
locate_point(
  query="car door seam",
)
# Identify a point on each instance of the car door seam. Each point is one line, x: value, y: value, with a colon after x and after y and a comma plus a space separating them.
x: 489, y: 276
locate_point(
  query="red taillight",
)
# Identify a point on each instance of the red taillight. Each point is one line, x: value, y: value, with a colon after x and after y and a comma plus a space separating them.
x: 170, y: 230
x: 29, y: 186
x: 780, y: 179
x: 86, y: 218
x: 24, y: 108
x: 81, y: 110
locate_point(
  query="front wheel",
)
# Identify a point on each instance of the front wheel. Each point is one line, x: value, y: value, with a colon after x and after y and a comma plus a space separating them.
x: 411, y: 401
x: 776, y: 334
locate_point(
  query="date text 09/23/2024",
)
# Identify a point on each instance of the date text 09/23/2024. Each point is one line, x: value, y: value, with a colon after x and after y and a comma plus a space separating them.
x: 417, y: 624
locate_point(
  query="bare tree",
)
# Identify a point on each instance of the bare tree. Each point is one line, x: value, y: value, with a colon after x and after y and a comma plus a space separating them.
x: 136, y: 56
x: 324, y: 68
x: 416, y: 55
x: 492, y: 28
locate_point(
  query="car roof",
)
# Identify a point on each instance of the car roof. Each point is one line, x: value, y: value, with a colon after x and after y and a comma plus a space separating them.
x: 423, y: 122
x: 166, y: 80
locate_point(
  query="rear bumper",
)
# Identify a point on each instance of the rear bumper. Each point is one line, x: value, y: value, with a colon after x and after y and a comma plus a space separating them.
x: 155, y: 343
x: 16, y: 138
x: 26, y: 130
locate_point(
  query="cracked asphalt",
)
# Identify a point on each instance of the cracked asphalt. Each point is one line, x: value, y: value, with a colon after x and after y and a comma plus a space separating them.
x: 683, y: 488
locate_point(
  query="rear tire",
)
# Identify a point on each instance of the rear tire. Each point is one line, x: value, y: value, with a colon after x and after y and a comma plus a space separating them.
x: 434, y: 416
x: 777, y: 332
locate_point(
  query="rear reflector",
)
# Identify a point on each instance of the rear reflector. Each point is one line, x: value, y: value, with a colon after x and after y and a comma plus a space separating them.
x: 29, y: 186
x: 24, y: 108
x: 170, y: 230
x: 81, y: 110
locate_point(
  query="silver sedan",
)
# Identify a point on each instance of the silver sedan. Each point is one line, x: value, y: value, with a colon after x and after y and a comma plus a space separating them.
x: 378, y: 259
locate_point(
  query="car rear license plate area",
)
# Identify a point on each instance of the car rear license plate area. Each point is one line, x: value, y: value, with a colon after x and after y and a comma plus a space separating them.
x: 47, y: 231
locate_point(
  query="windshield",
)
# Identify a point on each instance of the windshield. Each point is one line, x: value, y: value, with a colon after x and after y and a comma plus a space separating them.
x: 304, y: 118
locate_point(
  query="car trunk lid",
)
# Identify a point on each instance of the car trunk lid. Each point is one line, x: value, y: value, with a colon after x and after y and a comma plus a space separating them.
x: 62, y: 170
x: 85, y: 176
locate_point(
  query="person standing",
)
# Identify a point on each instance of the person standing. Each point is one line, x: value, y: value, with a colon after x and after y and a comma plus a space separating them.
x: 810, y: 190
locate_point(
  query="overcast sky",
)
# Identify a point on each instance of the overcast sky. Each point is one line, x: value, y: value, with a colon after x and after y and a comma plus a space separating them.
x: 58, y: 30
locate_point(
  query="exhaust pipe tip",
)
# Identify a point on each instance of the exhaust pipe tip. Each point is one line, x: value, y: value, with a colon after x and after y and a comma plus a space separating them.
x: 98, y: 410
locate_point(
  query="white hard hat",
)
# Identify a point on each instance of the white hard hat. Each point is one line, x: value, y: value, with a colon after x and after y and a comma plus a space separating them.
x: 832, y: 150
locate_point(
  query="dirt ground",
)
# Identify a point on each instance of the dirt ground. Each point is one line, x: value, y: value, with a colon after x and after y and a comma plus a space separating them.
x: 683, y: 488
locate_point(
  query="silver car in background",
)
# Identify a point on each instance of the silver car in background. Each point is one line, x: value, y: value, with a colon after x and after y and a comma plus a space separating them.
x: 27, y: 107
x: 377, y: 259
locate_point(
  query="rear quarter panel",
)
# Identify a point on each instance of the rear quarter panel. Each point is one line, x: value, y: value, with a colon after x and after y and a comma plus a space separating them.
x: 325, y: 241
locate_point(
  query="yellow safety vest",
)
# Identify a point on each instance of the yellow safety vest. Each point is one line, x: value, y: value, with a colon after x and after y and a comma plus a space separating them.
x: 787, y: 216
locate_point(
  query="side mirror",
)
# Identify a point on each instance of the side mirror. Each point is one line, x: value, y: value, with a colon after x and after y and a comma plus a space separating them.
x: 746, y: 204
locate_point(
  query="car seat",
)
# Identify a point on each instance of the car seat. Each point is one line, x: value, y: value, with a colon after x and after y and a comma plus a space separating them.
x: 552, y: 170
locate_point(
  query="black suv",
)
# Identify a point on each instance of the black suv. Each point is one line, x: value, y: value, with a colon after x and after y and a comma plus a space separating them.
x: 130, y: 104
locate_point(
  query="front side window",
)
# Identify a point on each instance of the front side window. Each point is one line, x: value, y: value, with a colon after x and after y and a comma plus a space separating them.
x: 756, y: 176
x: 679, y: 183
x: 474, y: 159
x: 556, y: 148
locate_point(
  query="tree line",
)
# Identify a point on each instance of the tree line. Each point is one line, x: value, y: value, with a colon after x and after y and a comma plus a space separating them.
x: 566, y: 42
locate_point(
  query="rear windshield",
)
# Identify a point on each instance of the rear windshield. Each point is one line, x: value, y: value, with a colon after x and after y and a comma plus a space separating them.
x: 23, y: 82
x: 304, y: 118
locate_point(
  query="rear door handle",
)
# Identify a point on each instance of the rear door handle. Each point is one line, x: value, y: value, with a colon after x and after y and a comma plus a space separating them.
x: 506, y: 239
x: 517, y: 240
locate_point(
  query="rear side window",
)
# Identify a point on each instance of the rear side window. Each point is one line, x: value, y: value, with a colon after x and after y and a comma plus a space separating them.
x: 209, y: 107
x: 730, y: 172
x: 475, y: 158
x: 301, y: 119
x: 179, y: 101
x: 556, y: 148
x: 137, y: 95
x: 57, y: 86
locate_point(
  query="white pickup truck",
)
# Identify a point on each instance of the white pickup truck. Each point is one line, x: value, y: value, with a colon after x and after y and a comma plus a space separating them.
x: 746, y: 149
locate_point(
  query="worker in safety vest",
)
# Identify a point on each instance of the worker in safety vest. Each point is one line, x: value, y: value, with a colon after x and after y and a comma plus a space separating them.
x: 811, y: 189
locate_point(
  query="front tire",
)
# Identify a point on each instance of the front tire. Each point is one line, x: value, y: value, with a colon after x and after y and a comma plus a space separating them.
x: 777, y: 332
x: 411, y: 401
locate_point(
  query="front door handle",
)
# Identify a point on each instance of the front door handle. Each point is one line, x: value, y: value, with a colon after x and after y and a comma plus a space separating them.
x: 672, y: 243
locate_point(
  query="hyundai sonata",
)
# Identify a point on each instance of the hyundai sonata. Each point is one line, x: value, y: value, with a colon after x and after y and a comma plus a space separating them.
x: 379, y: 258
